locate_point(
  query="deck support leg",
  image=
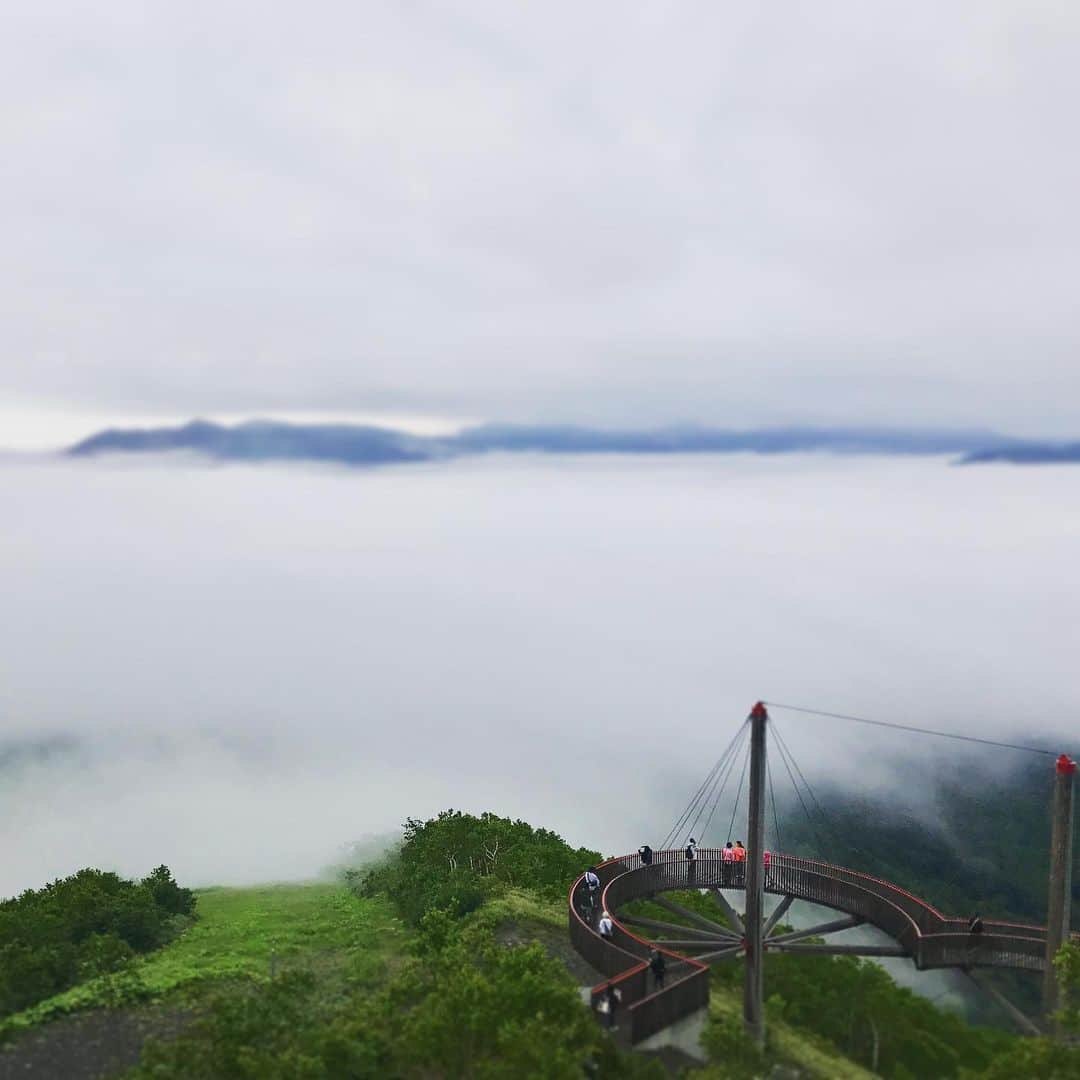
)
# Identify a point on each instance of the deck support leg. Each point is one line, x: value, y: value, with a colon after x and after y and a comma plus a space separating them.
x: 1060, y: 900
x: 1026, y: 1025
x: 753, y: 1010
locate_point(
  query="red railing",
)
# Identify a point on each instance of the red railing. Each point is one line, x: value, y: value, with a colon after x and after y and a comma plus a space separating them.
x: 931, y: 939
x: 624, y: 959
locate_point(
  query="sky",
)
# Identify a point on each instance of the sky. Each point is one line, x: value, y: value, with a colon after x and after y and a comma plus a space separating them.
x: 241, y: 670
x: 636, y: 213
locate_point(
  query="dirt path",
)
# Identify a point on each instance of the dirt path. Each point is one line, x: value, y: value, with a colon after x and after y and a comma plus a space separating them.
x: 87, y: 1046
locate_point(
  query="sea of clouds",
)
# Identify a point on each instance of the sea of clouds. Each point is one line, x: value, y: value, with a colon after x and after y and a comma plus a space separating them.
x: 240, y: 670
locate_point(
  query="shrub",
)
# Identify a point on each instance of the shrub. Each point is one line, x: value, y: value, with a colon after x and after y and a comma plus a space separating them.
x: 78, y: 927
x: 465, y: 1006
x: 167, y: 895
x: 455, y: 861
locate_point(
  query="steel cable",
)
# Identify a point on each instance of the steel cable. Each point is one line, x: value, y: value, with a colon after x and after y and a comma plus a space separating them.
x: 710, y: 778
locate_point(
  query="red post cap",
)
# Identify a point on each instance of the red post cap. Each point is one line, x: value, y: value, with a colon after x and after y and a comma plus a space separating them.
x: 1065, y: 764
x: 758, y: 711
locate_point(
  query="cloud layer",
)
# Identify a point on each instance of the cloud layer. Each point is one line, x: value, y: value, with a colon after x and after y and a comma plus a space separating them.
x: 237, y: 670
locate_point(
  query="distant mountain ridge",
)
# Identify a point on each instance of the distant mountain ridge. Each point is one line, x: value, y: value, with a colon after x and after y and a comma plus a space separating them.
x: 356, y: 444
x: 1027, y: 453
x: 265, y: 440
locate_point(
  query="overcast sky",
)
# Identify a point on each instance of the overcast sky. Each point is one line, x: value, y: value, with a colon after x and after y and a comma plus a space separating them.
x: 614, y: 212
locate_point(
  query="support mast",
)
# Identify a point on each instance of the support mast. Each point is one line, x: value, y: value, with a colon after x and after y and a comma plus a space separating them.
x: 1060, y: 901
x: 753, y: 1012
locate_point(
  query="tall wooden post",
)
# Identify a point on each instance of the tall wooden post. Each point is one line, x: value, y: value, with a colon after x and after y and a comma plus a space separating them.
x: 1060, y: 901
x: 753, y: 1012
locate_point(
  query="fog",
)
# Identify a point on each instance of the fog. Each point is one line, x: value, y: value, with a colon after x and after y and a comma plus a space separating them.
x: 240, y: 670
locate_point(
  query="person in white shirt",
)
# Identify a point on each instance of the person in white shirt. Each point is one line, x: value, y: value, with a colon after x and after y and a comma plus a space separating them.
x: 589, y: 894
x: 606, y: 927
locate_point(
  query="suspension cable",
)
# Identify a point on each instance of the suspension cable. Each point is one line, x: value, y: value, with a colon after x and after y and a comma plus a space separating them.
x: 716, y: 801
x: 705, y: 792
x: 798, y: 794
x: 689, y: 808
x: 715, y: 791
x: 917, y: 730
x: 709, y: 779
x: 772, y: 799
x: 738, y: 793
x: 806, y: 783
x: 824, y: 818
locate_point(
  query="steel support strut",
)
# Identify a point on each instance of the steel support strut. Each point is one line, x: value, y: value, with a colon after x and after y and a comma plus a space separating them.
x: 699, y: 920
x: 753, y: 1013
x: 733, y: 916
x: 820, y: 930
x: 778, y: 913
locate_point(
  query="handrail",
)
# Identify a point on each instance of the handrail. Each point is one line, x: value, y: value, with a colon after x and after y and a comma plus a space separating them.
x: 931, y: 939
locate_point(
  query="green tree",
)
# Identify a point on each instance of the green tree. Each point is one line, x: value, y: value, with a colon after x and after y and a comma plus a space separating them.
x: 856, y: 1007
x: 1047, y: 1059
x: 77, y: 927
x: 455, y: 861
x: 1067, y: 963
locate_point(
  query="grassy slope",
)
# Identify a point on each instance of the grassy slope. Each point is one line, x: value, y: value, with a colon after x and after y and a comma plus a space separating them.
x: 340, y: 937
x: 241, y: 933
x: 789, y: 1045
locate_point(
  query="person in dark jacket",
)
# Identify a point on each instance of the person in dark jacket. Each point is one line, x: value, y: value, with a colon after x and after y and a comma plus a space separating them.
x: 658, y: 966
x: 646, y: 855
x: 608, y: 1004
x: 975, y: 929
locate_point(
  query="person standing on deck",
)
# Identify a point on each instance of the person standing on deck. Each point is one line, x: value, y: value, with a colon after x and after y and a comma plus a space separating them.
x: 658, y: 966
x: 606, y: 927
x: 691, y: 859
x: 727, y: 858
x: 975, y: 929
x: 740, y: 862
x: 588, y: 898
x: 608, y: 1003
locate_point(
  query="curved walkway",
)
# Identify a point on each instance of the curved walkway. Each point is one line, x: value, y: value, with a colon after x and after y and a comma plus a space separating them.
x: 919, y: 930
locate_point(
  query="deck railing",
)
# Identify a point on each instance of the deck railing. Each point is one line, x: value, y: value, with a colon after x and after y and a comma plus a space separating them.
x: 931, y: 939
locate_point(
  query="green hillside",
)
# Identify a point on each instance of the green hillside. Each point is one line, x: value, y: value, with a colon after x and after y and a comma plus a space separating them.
x: 429, y: 966
x: 327, y: 949
x: 972, y: 839
x: 246, y: 934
